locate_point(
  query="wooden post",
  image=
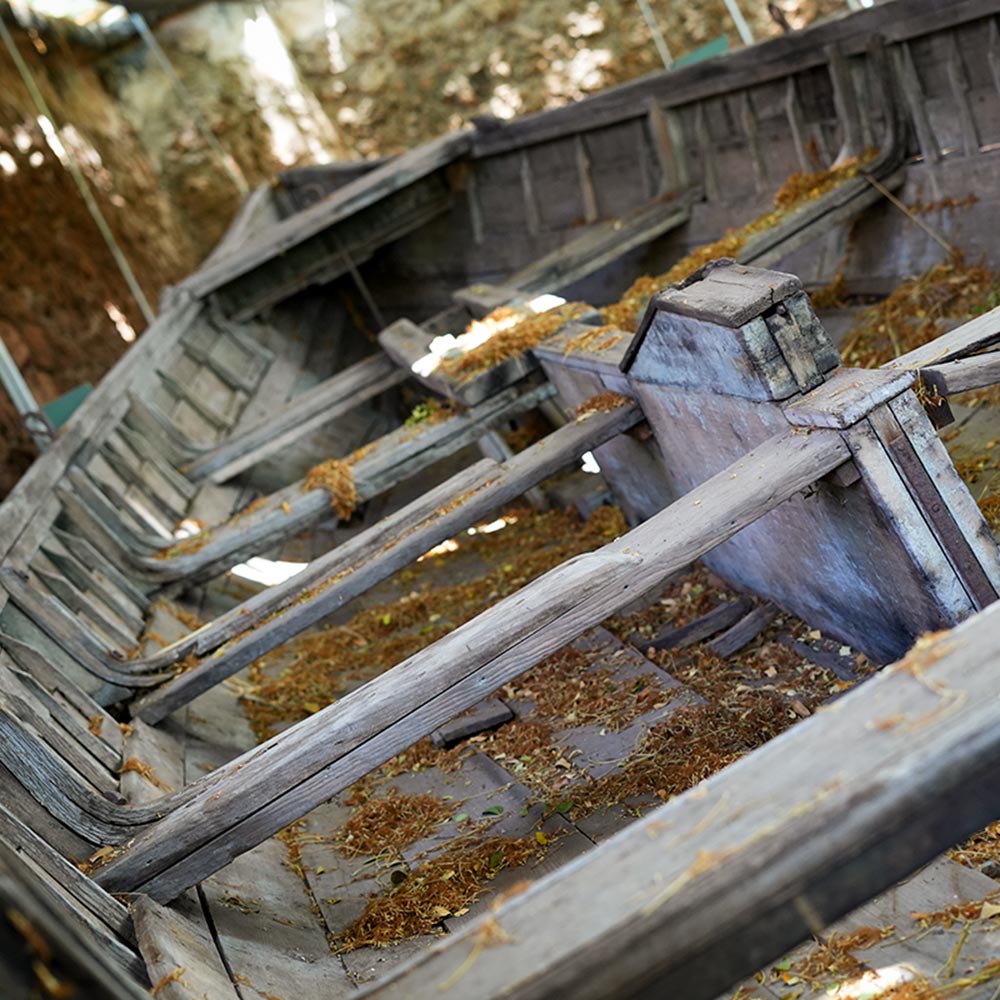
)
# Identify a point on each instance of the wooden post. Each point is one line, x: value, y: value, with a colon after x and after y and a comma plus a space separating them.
x: 736, y: 353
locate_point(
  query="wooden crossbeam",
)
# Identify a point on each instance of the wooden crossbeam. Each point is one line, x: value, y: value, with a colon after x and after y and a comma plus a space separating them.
x: 351, y: 569
x: 302, y: 415
x: 397, y: 456
x: 728, y: 876
x: 247, y: 801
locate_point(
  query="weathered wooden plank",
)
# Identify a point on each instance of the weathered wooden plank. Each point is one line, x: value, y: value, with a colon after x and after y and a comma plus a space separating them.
x: 599, y: 246
x: 105, y: 908
x: 302, y: 415
x: 744, y: 631
x: 267, y: 926
x: 372, y: 556
x: 181, y: 958
x: 963, y: 374
x: 847, y: 396
x: 306, y: 764
x: 279, y: 239
x: 90, y: 421
x: 397, y: 456
x: 100, y: 968
x: 97, y: 588
x: 724, y: 878
x: 52, y: 679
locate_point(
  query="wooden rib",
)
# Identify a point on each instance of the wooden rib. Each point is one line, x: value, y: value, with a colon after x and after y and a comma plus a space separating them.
x: 377, y: 553
x: 257, y: 794
x: 101, y: 961
x: 302, y: 415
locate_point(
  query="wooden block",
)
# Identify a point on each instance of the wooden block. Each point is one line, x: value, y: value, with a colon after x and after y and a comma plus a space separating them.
x: 716, y: 329
x: 180, y: 954
x: 847, y: 396
x: 722, y: 617
x: 486, y: 715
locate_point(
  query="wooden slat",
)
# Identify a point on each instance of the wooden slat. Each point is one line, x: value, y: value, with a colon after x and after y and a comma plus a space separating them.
x: 371, y: 557
x: 726, y: 877
x: 100, y: 968
x: 302, y: 415
x: 244, y: 802
x: 180, y: 955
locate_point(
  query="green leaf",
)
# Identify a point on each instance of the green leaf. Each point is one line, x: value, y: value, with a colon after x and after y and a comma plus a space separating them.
x: 386, y: 618
x: 564, y: 807
x: 493, y: 811
x: 524, y: 810
x: 496, y: 858
x: 461, y: 817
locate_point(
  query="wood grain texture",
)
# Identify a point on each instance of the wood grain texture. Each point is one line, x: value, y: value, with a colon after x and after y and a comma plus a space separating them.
x: 181, y: 958
x: 724, y: 878
x: 262, y: 791
x: 372, y: 556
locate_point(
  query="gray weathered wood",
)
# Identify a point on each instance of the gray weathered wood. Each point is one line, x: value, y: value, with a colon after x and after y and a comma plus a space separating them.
x: 963, y: 374
x: 103, y: 968
x: 726, y: 877
x: 244, y: 802
x: 180, y: 945
x: 372, y: 556
x: 105, y: 908
x: 847, y: 397
x: 704, y: 627
x: 744, y: 631
x: 302, y: 415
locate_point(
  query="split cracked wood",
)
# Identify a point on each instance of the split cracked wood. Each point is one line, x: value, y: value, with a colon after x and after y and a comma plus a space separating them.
x: 259, y: 793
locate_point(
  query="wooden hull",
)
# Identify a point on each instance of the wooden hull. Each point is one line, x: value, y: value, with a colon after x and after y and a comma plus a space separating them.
x: 726, y: 430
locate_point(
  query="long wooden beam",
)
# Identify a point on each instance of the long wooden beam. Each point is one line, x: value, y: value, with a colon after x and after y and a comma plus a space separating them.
x: 259, y: 793
x: 399, y: 455
x: 374, y: 555
x: 304, y: 414
x: 706, y: 889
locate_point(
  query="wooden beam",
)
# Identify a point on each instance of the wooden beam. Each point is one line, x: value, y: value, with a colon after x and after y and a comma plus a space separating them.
x: 302, y: 415
x: 963, y: 374
x: 259, y: 793
x: 725, y: 878
x: 368, y: 558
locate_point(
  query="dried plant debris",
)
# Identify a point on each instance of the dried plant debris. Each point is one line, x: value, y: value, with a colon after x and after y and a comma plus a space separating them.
x: 511, y: 342
x: 604, y: 402
x: 910, y: 317
x: 832, y: 961
x: 431, y: 411
x: 981, y: 850
x: 330, y: 661
x: 334, y: 476
x: 393, y: 822
x: 439, y: 888
x: 186, y: 547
